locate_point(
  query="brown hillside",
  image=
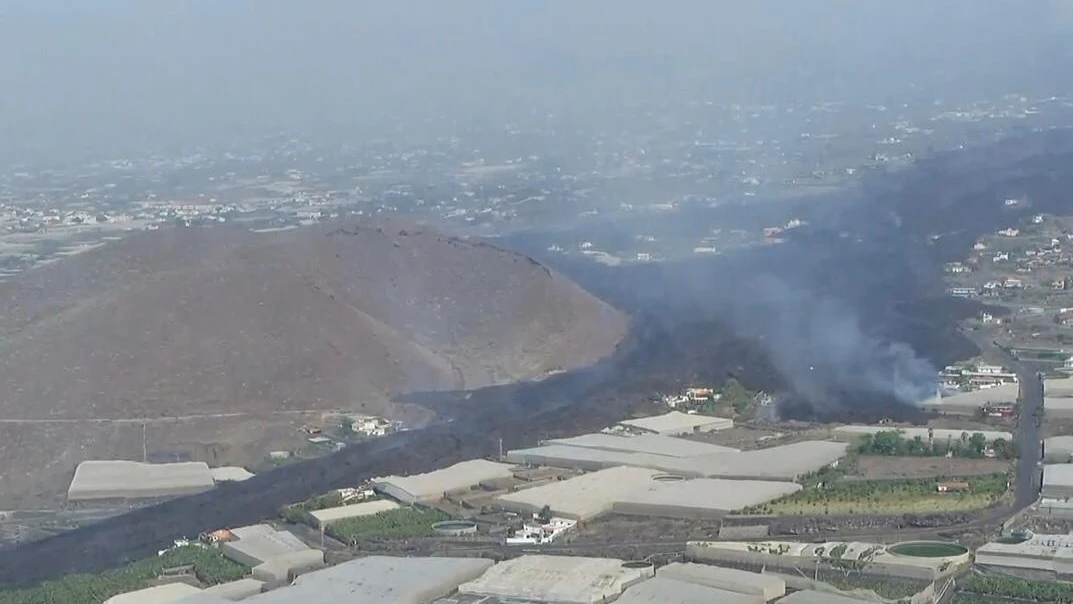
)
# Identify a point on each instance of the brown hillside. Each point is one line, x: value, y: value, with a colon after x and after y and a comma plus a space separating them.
x: 198, y: 321
x: 193, y: 322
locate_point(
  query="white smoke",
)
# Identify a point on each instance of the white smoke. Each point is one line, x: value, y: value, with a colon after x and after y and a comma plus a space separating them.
x: 819, y: 346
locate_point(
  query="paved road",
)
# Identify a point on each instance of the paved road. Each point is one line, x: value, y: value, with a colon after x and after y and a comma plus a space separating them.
x: 1029, y: 418
x: 1027, y: 478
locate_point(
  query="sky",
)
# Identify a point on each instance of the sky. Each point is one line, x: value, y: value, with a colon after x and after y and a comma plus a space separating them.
x: 116, y: 76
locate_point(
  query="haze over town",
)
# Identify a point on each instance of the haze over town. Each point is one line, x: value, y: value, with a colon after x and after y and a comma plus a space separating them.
x: 754, y: 302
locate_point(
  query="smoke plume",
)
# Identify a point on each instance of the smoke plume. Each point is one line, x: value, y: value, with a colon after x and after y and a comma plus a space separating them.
x: 820, y: 347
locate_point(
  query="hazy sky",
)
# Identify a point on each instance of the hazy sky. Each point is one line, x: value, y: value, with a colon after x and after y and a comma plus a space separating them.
x: 98, y: 76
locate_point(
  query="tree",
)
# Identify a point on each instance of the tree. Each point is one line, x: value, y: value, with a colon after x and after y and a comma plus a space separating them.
x: 887, y: 442
x: 347, y: 424
x: 545, y: 515
x: 977, y: 444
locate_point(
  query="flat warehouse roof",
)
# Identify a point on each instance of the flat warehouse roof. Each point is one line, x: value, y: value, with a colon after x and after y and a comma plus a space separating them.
x: 585, y: 496
x: 170, y: 592
x: 1058, y: 387
x: 1060, y: 404
x: 768, y: 585
x: 1058, y: 474
x: 365, y: 508
x: 676, y: 421
x: 379, y: 580
x: 785, y: 462
x: 462, y: 475
x: 566, y: 456
x: 819, y: 597
x: 261, y: 547
x: 669, y: 591
x: 653, y: 444
x: 706, y: 494
x: 559, y: 579
x: 1058, y: 445
x: 119, y: 479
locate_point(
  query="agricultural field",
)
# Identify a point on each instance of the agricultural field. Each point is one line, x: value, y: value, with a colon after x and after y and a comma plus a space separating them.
x: 882, y: 467
x: 964, y: 598
x: 972, y: 446
x: 911, y: 496
x: 980, y: 589
x: 208, y: 565
x: 889, y: 590
x: 398, y: 523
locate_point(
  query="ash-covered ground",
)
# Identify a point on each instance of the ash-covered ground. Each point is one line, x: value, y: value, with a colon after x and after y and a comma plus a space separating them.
x: 846, y: 320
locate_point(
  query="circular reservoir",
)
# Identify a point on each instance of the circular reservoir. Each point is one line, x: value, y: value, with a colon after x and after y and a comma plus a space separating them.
x: 668, y: 478
x: 928, y: 549
x: 455, y: 527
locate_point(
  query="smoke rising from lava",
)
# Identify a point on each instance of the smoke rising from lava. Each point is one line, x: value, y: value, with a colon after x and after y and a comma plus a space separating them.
x: 819, y: 346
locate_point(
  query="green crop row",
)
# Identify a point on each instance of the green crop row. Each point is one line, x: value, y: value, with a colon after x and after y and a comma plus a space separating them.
x: 209, y: 565
x: 397, y: 523
x: 1051, y: 592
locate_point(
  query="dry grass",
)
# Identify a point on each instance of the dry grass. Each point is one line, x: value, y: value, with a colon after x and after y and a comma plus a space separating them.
x: 873, y: 467
x: 886, y: 505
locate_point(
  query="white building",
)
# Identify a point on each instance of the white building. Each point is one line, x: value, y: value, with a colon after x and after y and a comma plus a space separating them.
x: 537, y: 533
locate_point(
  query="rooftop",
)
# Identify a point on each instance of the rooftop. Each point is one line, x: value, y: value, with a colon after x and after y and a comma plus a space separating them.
x: 1059, y: 404
x: 379, y: 580
x: 819, y: 597
x: 653, y: 444
x: 703, y: 494
x: 1059, y: 441
x: 677, y: 422
x: 669, y: 591
x: 731, y: 579
x: 459, y: 476
x: 119, y: 479
x: 160, y: 594
x: 586, y: 496
x: 365, y: 508
x: 786, y: 462
x: 255, y: 546
x: 565, y: 456
x: 559, y: 579
x: 1058, y: 474
x: 1039, y: 546
x: 1062, y: 387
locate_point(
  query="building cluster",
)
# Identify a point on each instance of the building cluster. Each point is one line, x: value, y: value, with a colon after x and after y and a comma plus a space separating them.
x: 1013, y: 259
x: 975, y: 377
x: 978, y: 389
x: 528, y: 579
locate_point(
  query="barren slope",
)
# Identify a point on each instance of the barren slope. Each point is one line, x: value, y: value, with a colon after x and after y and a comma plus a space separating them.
x: 190, y: 322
